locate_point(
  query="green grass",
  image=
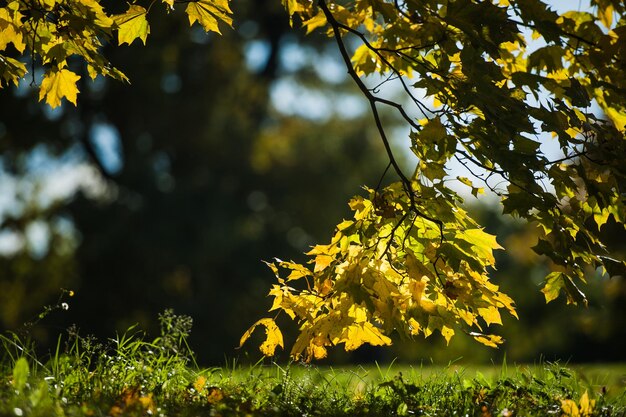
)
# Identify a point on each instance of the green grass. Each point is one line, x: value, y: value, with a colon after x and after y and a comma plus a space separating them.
x: 131, y: 375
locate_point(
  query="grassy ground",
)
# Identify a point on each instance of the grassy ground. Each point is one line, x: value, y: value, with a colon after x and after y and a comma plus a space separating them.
x: 133, y: 376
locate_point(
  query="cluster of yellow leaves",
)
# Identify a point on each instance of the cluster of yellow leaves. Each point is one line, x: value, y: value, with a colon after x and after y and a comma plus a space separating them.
x: 388, y: 271
x: 52, y: 31
x: 584, y: 408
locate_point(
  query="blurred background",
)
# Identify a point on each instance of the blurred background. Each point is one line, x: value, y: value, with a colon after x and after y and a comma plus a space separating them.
x: 226, y: 151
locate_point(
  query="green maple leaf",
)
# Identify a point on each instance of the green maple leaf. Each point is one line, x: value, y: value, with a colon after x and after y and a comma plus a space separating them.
x: 132, y: 25
x: 552, y: 287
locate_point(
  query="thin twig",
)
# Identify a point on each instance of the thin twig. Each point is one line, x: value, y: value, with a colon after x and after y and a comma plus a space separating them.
x: 406, y: 183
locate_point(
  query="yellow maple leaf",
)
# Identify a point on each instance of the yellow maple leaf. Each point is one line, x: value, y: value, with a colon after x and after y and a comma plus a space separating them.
x: 490, y: 315
x: 605, y: 15
x: 57, y: 84
x: 416, y: 288
x: 324, y: 287
x: 322, y: 262
x: 208, y: 13
x: 586, y: 405
x: 11, y: 70
x: 293, y: 6
x: 447, y: 333
x: 358, y: 312
x: 317, y: 21
x: 569, y: 408
x: 414, y: 326
x: 416, y: 269
x: 316, y: 351
x: 617, y: 117
x: 93, y: 9
x: 584, y: 408
x: 483, y: 243
x: 132, y: 25
x: 274, y: 337
x: 467, y: 316
x: 490, y: 340
x: 506, y: 302
x: 9, y: 32
x: 360, y: 333
x: 297, y: 271
x: 364, y: 60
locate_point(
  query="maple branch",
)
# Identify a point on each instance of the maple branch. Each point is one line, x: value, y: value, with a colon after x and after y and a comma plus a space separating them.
x: 561, y: 31
x: 336, y: 27
x: 567, y: 158
x: 380, y: 181
x: 463, y: 161
x: 364, y: 89
x: 392, y: 234
x: 377, y: 87
x: 480, y: 164
x: 410, y: 18
x: 33, y: 82
x: 503, y: 174
x: 385, y: 61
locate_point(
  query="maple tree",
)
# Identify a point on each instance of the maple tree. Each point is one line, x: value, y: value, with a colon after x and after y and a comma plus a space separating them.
x: 484, y: 84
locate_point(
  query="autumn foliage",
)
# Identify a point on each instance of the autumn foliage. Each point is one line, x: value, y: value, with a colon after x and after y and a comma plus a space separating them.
x: 485, y: 84
x: 387, y: 271
x: 50, y: 32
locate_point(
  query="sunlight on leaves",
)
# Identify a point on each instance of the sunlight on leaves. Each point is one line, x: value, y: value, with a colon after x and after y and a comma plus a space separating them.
x: 57, y: 85
x: 208, y: 13
x: 388, y: 270
x: 132, y: 25
x: 274, y: 337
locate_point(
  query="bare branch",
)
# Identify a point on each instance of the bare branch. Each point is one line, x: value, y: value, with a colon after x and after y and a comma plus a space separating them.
x: 385, y: 61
